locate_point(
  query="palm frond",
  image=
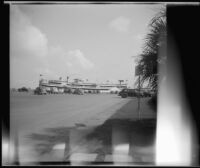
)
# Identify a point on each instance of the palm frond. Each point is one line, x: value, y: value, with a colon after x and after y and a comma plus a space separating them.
x: 153, y: 41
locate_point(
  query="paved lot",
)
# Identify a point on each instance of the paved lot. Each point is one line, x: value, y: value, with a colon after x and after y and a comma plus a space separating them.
x: 69, y: 119
x: 41, y: 111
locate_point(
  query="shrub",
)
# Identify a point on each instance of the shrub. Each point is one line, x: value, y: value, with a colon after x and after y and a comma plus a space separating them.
x: 23, y: 89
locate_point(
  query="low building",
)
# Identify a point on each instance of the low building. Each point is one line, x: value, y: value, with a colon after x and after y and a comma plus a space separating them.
x: 58, y: 86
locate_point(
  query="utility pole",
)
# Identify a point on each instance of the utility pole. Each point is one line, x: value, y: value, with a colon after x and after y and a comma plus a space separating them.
x: 120, y: 82
x: 139, y: 100
x: 138, y: 73
x: 40, y: 80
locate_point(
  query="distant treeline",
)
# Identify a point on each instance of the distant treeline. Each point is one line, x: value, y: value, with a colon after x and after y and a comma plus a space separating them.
x: 22, y: 89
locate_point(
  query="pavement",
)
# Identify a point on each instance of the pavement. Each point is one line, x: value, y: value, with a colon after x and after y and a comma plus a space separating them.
x: 83, y: 129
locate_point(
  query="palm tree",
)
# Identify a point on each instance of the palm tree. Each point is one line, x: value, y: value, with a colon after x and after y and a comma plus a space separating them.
x: 155, y: 41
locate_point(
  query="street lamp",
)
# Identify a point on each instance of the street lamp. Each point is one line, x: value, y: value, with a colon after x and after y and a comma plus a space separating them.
x: 120, y: 81
x: 71, y: 75
x: 67, y: 79
x: 40, y: 80
x: 138, y: 72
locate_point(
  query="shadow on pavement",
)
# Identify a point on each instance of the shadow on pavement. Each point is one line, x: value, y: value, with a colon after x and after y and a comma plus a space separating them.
x: 51, y: 137
x: 101, y: 144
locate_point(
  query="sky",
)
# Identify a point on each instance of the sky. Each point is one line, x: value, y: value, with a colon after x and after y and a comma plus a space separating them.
x: 88, y: 41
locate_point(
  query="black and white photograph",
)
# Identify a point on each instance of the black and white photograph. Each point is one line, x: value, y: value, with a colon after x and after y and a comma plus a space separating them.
x: 97, y: 84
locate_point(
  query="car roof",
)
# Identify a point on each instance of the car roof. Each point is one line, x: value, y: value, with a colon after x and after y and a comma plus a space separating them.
x: 129, y: 89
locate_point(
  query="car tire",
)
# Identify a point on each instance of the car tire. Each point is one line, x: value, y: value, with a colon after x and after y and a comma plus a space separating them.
x: 124, y: 96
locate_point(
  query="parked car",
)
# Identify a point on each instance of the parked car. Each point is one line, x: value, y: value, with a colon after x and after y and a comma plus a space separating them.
x: 54, y: 90
x: 37, y: 90
x: 152, y: 92
x: 68, y: 90
x: 131, y: 93
x: 146, y: 94
x: 43, y: 92
x: 40, y: 91
x: 149, y: 93
x: 78, y: 91
x: 85, y: 91
x: 127, y: 92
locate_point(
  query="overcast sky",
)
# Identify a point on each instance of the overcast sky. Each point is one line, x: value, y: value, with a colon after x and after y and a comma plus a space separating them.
x: 93, y: 42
